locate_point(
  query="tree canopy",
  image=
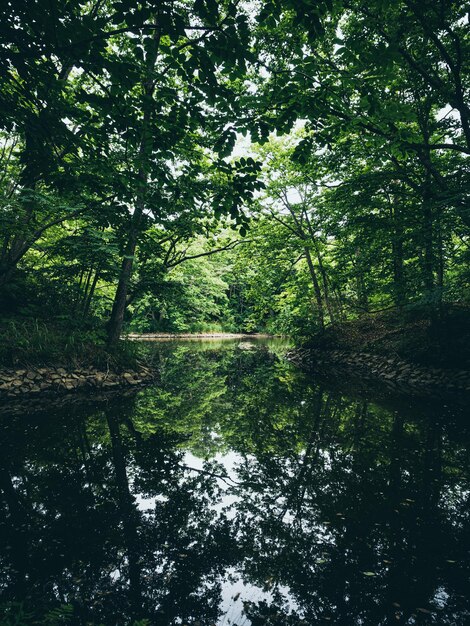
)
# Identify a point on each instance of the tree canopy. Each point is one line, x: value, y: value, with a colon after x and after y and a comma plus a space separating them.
x: 248, y: 166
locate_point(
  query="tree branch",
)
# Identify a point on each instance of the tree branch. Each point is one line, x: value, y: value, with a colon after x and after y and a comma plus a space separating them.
x: 229, y: 246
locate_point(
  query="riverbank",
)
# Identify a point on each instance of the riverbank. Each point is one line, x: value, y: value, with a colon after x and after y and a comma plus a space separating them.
x: 39, y: 358
x: 395, y: 372
x: 416, y: 353
x: 44, y: 380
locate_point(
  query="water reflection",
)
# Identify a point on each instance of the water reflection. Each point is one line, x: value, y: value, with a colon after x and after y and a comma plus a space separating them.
x: 235, y: 492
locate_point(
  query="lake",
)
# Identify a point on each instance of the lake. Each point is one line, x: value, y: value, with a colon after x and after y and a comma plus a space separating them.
x: 235, y: 491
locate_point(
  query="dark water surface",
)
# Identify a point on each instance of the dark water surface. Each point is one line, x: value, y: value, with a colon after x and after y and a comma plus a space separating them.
x: 236, y: 491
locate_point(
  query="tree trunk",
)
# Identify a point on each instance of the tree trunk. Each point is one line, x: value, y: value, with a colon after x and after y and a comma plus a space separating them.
x: 10, y: 260
x: 128, y: 516
x: 145, y: 150
x: 6, y: 273
x: 399, y: 291
x: 428, y: 234
x: 120, y: 299
x: 17, y: 531
x: 428, y: 237
x: 324, y: 278
x: 321, y: 267
x: 440, y: 264
x: 362, y: 299
x: 87, y: 302
x: 316, y: 288
x: 339, y: 303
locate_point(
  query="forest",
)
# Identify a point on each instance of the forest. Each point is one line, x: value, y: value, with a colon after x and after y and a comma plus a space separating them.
x: 234, y: 312
x: 276, y: 166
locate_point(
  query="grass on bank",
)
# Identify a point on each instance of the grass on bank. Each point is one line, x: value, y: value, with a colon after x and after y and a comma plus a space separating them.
x: 33, y: 342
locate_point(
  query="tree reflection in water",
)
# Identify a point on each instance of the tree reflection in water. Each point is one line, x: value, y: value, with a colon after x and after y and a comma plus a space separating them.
x: 236, y: 491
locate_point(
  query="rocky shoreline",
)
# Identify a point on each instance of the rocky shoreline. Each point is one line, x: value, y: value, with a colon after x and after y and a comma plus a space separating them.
x: 40, y: 380
x: 390, y: 370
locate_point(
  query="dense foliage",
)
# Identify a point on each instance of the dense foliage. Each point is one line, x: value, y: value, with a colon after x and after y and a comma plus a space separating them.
x: 214, y: 164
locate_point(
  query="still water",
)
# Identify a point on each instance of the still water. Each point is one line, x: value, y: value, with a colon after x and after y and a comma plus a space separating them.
x: 236, y: 491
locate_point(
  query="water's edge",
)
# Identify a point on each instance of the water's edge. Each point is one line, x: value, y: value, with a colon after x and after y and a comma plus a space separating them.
x: 393, y: 371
